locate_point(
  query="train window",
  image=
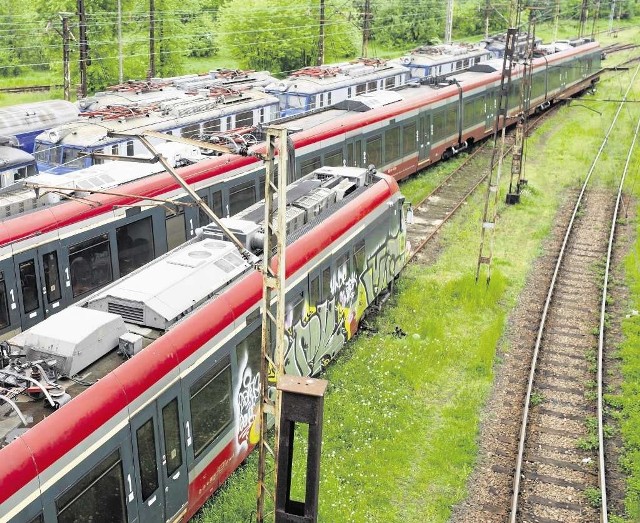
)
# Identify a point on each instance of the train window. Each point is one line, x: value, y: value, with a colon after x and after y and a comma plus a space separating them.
x: 72, y: 157
x: 211, y: 408
x: 216, y: 203
x: 244, y: 119
x: 114, y: 149
x: 309, y: 165
x: 241, y: 196
x: 350, y: 159
x: 439, y: 125
x: 262, y: 180
x: 261, y: 115
x: 135, y: 245
x: 29, y: 286
x: 41, y: 152
x: 130, y: 148
x: 390, y: 82
x: 321, y: 100
x: 171, y: 429
x: 333, y: 159
x: 342, y: 265
x: 329, y: 98
x: 297, y: 309
x: 147, y: 462
x: 176, y: 232
x: 458, y: 65
x: 98, y: 161
x: 361, y: 89
x: 374, y: 151
x: 212, y: 126
x: 372, y: 86
x: 358, y: 154
x: 326, y: 283
x: 90, y: 264
x: 51, y: 276
x: 359, y: 256
x: 392, y: 144
x: 409, y: 139
x: 349, y: 92
x: 190, y: 131
x: 314, y: 291
x: 203, y: 217
x: 4, y: 307
x: 98, y: 496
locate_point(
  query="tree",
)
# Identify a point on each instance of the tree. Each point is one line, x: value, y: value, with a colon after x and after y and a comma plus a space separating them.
x: 285, y: 38
x: 406, y: 24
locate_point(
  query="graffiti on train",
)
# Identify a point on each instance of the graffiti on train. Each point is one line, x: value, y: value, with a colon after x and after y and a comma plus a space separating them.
x: 314, y: 340
x: 247, y: 400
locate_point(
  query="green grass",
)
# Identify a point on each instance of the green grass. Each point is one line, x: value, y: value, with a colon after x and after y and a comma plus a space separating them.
x: 402, y: 414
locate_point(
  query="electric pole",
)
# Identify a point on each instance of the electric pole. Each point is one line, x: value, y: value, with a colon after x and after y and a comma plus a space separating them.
x: 321, y: 37
x: 584, y: 11
x: 84, y: 48
x: 449, y: 22
x: 152, y: 39
x: 556, y: 21
x: 120, y: 68
x: 66, y: 38
x: 366, y: 27
x: 487, y: 10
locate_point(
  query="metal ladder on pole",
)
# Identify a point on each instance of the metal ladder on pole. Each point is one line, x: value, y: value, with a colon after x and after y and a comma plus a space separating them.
x: 495, y: 167
x: 273, y: 288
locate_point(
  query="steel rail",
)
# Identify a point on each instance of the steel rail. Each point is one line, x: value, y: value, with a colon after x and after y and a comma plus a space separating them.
x: 534, y: 359
x: 601, y: 457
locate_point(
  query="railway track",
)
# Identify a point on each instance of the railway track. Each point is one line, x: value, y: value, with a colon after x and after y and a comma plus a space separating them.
x: 433, y: 211
x: 30, y: 88
x: 550, y: 466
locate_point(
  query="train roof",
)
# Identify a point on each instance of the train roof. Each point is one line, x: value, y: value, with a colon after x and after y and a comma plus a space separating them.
x: 196, y: 275
x: 90, y: 128
x: 311, y: 80
x: 139, y: 92
x: 30, y: 117
x: 12, y: 156
x: 441, y: 54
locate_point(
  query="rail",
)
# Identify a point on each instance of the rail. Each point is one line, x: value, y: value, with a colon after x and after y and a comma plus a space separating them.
x: 541, y: 329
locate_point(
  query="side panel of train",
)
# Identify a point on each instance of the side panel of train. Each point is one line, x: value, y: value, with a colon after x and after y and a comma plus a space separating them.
x: 40, y: 281
x: 156, y: 453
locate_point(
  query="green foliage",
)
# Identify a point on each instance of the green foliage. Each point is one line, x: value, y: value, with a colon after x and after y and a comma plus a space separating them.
x: 396, y: 23
x: 282, y: 39
x: 594, y: 496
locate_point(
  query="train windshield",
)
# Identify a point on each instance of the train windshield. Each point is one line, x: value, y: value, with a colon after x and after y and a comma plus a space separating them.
x: 297, y: 102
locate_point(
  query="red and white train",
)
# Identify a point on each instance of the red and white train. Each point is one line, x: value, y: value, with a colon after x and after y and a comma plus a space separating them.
x: 54, y: 256
x: 172, y: 414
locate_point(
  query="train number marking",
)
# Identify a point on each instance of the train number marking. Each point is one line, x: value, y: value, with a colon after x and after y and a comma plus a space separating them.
x: 188, y: 434
x: 176, y: 475
x: 13, y: 300
x: 66, y: 273
x: 152, y: 500
x: 130, y: 488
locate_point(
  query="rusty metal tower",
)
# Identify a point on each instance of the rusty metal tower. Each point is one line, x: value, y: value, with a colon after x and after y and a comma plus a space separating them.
x: 495, y: 167
x: 273, y: 289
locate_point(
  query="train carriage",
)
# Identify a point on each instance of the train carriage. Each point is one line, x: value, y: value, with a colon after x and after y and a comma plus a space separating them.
x: 23, y: 122
x: 156, y: 434
x: 43, y: 259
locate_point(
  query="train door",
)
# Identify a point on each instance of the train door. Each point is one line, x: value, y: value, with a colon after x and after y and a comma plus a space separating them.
x: 29, y: 287
x: 490, y: 111
x: 9, y: 305
x: 55, y: 281
x: 172, y: 449
x: 424, y: 137
x: 149, y: 474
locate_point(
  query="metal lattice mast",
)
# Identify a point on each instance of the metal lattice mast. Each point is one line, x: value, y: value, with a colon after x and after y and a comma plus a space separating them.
x: 273, y: 287
x: 556, y: 21
x: 449, y: 22
x: 517, y: 181
x: 495, y: 167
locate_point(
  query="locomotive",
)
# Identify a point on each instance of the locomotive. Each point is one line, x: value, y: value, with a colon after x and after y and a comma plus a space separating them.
x: 137, y: 403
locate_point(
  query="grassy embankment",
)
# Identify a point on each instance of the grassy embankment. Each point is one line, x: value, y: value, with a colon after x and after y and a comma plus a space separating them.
x: 402, y: 414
